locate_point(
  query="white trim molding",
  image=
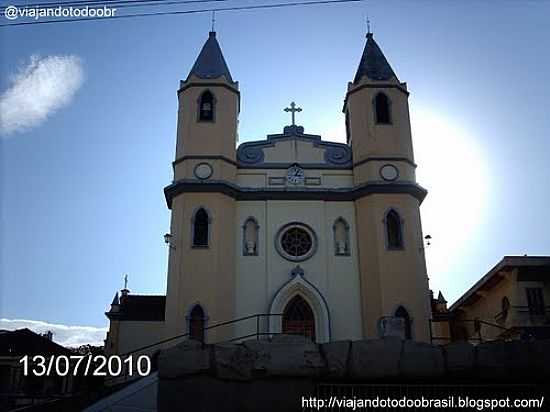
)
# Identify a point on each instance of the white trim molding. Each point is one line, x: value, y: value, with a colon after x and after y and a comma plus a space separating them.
x: 298, y: 285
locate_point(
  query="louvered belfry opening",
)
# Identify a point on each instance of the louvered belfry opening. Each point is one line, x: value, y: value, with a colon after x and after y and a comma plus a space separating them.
x: 298, y: 318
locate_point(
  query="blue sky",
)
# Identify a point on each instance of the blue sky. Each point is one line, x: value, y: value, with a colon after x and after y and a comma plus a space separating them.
x: 81, y: 191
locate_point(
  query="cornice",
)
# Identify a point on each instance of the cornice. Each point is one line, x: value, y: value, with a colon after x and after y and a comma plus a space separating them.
x: 253, y: 194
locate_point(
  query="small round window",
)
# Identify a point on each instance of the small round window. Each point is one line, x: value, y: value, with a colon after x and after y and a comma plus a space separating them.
x: 296, y: 242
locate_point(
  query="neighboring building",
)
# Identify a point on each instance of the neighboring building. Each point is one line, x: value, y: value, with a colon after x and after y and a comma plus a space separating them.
x: 134, y: 321
x: 512, y: 301
x: 19, y: 390
x: 323, y: 237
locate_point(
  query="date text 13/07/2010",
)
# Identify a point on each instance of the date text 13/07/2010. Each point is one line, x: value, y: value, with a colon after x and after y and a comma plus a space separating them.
x: 86, y: 365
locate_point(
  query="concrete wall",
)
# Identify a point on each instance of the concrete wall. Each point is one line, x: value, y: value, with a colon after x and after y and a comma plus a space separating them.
x: 136, y: 334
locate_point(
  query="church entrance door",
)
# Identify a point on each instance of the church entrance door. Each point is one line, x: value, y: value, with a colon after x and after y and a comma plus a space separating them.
x: 298, y: 318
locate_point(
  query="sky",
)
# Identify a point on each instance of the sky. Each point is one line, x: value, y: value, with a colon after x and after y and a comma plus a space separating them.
x: 88, y: 122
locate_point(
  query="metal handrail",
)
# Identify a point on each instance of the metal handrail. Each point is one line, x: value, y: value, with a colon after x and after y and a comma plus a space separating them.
x: 484, y: 322
x: 183, y: 335
x: 477, y: 328
x: 258, y: 316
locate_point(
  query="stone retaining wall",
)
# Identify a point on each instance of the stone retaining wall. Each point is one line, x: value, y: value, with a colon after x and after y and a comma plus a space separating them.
x: 240, y: 377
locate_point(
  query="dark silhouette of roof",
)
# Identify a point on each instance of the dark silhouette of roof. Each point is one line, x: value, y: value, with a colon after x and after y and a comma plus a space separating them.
x: 210, y: 64
x: 373, y: 63
x: 140, y: 308
x: 26, y: 342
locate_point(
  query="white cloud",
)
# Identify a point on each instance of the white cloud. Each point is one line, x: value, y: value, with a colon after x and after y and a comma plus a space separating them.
x: 43, y: 86
x: 65, y: 335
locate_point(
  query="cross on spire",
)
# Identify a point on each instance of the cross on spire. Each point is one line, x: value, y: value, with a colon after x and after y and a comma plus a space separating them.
x: 293, y: 109
x: 124, y: 292
x: 213, y: 20
x: 368, y: 25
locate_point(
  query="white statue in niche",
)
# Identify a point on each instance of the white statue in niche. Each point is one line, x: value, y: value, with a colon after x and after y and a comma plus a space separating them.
x: 250, y: 233
x: 250, y: 247
x: 341, y: 240
x: 341, y: 247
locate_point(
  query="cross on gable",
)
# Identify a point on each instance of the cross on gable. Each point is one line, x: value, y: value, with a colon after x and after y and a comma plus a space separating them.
x: 293, y: 109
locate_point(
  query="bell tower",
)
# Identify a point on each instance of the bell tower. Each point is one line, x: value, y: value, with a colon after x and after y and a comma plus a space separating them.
x: 390, y: 243
x: 209, y: 102
x: 201, y: 267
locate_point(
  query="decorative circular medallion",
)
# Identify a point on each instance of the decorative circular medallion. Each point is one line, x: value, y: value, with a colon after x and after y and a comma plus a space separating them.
x: 250, y: 154
x: 389, y: 172
x: 296, y: 242
x: 338, y: 154
x: 203, y: 171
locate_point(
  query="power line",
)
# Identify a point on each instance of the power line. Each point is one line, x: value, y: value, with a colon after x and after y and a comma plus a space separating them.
x: 240, y: 8
x: 118, y: 3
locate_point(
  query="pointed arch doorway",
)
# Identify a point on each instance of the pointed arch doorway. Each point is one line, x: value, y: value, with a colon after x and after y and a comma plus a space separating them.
x: 298, y: 318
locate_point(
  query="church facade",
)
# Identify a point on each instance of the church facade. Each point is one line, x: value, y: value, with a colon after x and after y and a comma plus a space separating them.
x: 319, y: 238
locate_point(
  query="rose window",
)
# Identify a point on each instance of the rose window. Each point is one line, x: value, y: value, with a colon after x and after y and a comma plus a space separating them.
x: 296, y: 242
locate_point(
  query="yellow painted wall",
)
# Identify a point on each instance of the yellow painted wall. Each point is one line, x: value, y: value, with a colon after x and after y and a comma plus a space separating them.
x: 201, y: 275
x: 390, y: 278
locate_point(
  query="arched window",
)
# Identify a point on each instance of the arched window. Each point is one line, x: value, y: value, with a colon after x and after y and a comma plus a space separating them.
x: 250, y: 237
x: 201, y: 221
x: 206, y: 107
x: 298, y: 318
x: 401, y: 312
x: 341, y: 237
x: 394, y: 232
x: 196, y: 323
x: 382, y: 109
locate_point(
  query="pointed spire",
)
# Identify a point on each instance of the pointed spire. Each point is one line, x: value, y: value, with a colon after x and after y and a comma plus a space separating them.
x: 210, y: 64
x: 115, y: 300
x: 373, y: 63
x: 440, y: 298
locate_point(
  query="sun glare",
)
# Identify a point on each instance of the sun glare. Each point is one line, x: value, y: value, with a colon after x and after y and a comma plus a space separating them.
x: 452, y: 169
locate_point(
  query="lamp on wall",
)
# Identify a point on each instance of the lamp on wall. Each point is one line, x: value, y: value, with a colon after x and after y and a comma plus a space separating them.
x: 428, y: 239
x: 168, y: 240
